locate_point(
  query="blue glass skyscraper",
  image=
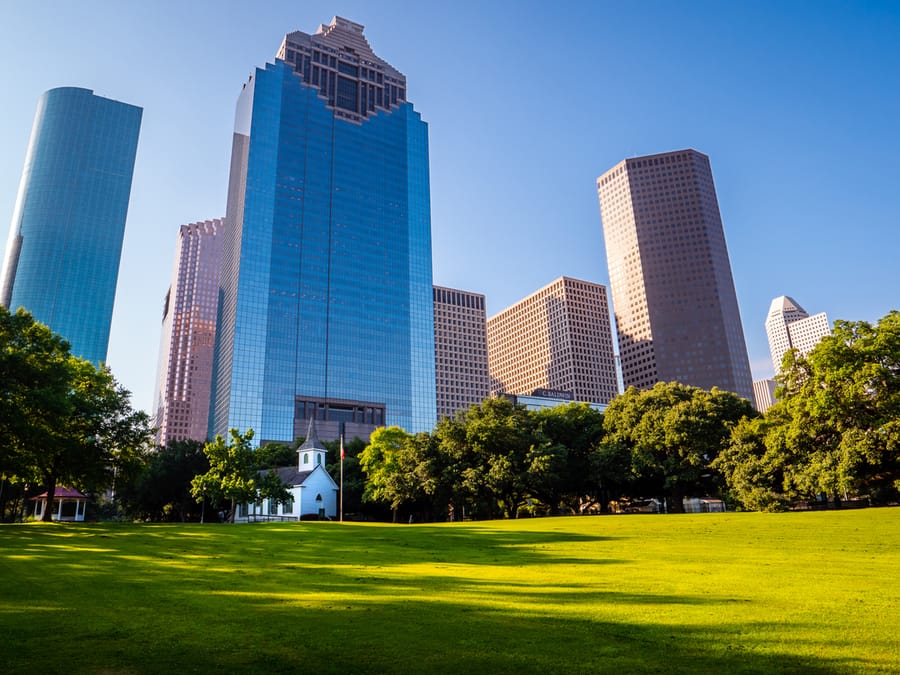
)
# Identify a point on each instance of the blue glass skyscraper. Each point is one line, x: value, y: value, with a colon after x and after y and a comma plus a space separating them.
x: 326, y: 301
x: 65, y: 241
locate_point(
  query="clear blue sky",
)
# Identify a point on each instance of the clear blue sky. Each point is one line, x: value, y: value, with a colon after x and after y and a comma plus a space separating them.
x: 796, y: 103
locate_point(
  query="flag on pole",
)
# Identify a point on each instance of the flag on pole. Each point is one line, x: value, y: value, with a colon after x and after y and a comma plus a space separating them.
x: 341, y: 491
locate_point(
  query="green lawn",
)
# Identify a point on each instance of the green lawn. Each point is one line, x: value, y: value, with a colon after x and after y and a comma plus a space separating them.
x: 707, y: 593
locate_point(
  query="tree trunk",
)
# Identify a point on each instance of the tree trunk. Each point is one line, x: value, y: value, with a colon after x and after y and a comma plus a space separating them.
x: 47, y: 516
x: 18, y: 510
x: 395, y: 515
x: 675, y: 502
x: 3, y: 500
x: 231, y: 514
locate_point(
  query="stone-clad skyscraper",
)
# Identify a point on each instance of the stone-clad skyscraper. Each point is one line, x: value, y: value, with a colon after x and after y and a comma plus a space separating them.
x: 188, y: 336
x: 676, y: 309
x: 789, y: 326
x: 65, y: 241
x: 460, y: 350
x: 558, y: 338
x: 326, y: 280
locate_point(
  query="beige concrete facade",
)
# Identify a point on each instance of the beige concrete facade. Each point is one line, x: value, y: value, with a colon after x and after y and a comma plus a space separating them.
x: 676, y: 310
x: 184, y: 379
x: 558, y: 338
x: 789, y: 326
x: 460, y: 350
x: 764, y: 394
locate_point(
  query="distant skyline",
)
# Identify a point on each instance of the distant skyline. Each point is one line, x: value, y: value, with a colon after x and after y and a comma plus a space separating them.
x: 527, y: 104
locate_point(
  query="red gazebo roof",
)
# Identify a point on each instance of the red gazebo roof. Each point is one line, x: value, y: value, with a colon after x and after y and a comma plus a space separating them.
x: 62, y: 492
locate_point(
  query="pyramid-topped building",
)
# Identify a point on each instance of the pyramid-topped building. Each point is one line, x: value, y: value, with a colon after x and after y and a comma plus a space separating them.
x: 326, y: 287
x: 339, y: 62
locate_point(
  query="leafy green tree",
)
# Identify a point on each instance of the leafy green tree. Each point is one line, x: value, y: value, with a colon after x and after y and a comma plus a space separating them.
x: 443, y: 466
x: 233, y: 475
x: 273, y: 455
x: 490, y: 448
x: 113, y: 431
x: 674, y: 432
x: 13, y: 498
x: 35, y: 378
x: 565, y: 470
x: 389, y: 462
x: 545, y: 477
x: 611, y: 467
x: 758, y: 477
x: 163, y: 489
x: 64, y: 421
x: 436, y: 475
x: 837, y: 422
x: 354, y: 480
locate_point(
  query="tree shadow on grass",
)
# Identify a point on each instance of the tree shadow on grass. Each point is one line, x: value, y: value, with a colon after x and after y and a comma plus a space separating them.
x: 331, y: 599
x: 302, y: 542
x: 407, y: 636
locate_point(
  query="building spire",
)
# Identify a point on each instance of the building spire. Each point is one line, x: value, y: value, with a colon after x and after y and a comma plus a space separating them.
x: 312, y: 453
x: 312, y: 441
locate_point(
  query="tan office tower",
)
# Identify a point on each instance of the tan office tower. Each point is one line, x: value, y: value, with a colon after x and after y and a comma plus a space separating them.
x: 676, y: 310
x: 558, y: 340
x: 764, y: 394
x: 789, y: 326
x: 188, y: 337
x: 460, y: 350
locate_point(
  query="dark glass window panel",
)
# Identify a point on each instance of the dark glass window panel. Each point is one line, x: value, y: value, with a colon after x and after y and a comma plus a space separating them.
x: 347, y: 94
x: 348, y: 69
x: 340, y: 413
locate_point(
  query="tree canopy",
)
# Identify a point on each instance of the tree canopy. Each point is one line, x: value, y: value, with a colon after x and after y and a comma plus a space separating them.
x: 498, y: 459
x: 162, y: 489
x: 673, y: 433
x: 62, y: 420
x: 835, y: 429
x: 389, y: 463
x: 233, y: 474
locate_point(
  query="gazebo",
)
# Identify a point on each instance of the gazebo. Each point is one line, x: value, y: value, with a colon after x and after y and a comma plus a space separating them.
x: 70, y: 504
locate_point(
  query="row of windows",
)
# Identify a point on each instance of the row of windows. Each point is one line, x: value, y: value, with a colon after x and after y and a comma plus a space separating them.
x: 450, y: 297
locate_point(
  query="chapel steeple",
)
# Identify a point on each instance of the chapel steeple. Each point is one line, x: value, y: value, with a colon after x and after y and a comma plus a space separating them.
x: 312, y: 453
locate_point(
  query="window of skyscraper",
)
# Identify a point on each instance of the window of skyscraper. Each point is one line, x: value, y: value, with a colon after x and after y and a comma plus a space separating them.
x: 346, y: 94
x: 348, y: 69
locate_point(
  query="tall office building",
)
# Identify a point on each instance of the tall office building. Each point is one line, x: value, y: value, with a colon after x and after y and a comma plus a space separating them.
x: 460, y: 350
x: 326, y: 282
x: 764, y: 394
x: 65, y: 241
x: 184, y: 381
x: 557, y: 341
x: 676, y: 309
x: 789, y: 326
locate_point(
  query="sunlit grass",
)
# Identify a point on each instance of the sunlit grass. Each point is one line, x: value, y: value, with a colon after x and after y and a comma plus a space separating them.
x: 807, y: 592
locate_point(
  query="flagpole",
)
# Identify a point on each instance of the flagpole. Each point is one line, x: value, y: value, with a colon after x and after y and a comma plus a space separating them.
x: 342, y: 480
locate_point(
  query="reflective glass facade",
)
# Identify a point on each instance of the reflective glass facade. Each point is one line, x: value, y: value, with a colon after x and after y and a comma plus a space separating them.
x: 326, y: 281
x: 188, y: 334
x: 65, y: 242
